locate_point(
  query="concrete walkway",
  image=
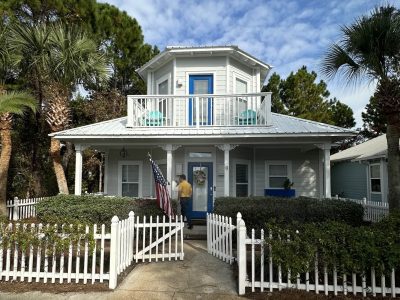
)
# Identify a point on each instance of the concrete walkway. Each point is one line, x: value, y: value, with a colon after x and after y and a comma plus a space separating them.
x: 198, y: 276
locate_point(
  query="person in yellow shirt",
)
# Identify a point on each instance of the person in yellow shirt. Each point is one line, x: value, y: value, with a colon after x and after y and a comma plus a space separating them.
x: 184, y: 196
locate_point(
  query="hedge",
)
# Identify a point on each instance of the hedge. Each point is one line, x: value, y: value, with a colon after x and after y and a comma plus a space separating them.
x: 344, y: 247
x: 257, y: 211
x: 92, y: 209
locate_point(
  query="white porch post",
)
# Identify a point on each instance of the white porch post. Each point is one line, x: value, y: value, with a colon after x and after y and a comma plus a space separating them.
x: 327, y: 170
x: 169, y: 149
x: 78, y: 169
x: 105, y: 183
x: 226, y: 148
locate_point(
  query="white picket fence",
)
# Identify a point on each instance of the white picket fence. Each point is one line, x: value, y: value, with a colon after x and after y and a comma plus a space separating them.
x: 19, y: 209
x: 42, y: 263
x: 113, y: 252
x: 271, y: 277
x: 373, y: 211
x: 219, y: 237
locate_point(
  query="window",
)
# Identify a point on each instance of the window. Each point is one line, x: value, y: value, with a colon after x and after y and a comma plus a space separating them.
x: 375, y: 178
x: 163, y: 90
x: 241, y: 88
x: 242, y: 180
x: 130, y: 179
x: 200, y: 154
x: 277, y: 172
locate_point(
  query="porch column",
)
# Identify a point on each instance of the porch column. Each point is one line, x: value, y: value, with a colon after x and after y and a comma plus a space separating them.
x: 105, y: 183
x: 327, y: 170
x: 226, y: 148
x: 169, y: 148
x: 78, y: 169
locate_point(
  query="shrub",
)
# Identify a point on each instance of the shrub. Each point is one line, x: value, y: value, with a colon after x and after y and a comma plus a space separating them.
x: 339, y: 245
x: 91, y: 209
x: 257, y: 211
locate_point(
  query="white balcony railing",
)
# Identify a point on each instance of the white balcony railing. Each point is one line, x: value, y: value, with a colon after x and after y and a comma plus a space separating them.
x: 199, y: 110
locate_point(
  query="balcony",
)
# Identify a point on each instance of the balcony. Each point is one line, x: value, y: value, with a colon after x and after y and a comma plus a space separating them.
x: 253, y: 109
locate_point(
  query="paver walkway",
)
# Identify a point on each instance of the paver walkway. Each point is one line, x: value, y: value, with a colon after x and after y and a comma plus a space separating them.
x: 198, y: 276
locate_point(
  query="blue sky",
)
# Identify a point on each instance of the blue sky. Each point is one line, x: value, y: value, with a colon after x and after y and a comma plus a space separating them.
x: 284, y: 33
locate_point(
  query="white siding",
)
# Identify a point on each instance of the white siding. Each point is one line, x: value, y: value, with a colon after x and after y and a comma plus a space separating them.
x: 304, y: 169
x: 166, y: 69
x: 186, y: 66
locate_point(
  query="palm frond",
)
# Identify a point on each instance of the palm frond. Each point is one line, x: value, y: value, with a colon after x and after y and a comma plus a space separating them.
x: 337, y: 60
x: 17, y: 103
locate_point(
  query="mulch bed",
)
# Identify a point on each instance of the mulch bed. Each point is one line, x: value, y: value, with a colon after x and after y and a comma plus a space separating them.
x: 290, y: 294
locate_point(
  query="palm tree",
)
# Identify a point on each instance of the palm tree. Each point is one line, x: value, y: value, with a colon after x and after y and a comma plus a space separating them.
x: 13, y: 103
x: 62, y: 58
x: 370, y: 48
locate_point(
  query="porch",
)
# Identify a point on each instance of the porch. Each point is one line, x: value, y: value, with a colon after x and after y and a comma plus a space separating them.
x: 236, y: 170
x: 250, y: 109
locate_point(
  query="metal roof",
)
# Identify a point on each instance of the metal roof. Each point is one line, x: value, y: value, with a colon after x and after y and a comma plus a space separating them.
x: 282, y: 125
x: 172, y: 51
x: 374, y: 148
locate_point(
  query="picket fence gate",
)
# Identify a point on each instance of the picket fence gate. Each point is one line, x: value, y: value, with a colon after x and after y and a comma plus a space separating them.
x: 219, y: 237
x: 19, y: 209
x: 310, y: 281
x: 112, y: 252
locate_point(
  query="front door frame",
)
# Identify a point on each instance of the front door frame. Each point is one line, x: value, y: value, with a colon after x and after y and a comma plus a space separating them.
x: 210, y: 106
x: 213, y: 159
x: 210, y: 202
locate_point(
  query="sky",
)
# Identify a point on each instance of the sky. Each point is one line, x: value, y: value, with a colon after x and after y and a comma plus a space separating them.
x: 286, y: 34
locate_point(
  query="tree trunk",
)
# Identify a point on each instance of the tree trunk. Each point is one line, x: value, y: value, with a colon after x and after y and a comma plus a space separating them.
x: 6, y: 147
x: 58, y: 167
x: 393, y: 154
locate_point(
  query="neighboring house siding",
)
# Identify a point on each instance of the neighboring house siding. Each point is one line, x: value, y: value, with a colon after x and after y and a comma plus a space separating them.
x: 349, y: 180
x: 304, y: 169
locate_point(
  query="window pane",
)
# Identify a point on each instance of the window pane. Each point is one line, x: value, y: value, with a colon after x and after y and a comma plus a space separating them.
x: 133, y: 173
x: 200, y: 154
x: 376, y: 185
x: 124, y: 174
x: 242, y: 175
x: 130, y: 190
x: 200, y: 86
x: 241, y: 86
x: 278, y: 170
x: 163, y: 88
x: 242, y: 190
x: 276, y: 182
x: 375, y: 171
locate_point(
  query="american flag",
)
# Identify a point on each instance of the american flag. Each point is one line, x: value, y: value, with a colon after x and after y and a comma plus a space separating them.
x: 163, y: 197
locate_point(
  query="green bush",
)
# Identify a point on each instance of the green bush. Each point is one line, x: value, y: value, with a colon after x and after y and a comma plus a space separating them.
x: 91, y: 209
x: 339, y: 245
x: 257, y: 211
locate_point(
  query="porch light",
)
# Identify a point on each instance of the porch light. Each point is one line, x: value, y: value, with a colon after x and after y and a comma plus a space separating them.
x: 123, y: 152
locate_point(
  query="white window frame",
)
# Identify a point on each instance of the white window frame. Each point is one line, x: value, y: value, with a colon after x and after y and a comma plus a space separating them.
x: 130, y: 163
x: 166, y: 77
x: 277, y: 162
x: 242, y: 162
x: 370, y: 177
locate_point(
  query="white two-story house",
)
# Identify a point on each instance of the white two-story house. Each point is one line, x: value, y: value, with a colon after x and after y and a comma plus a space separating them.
x: 204, y: 116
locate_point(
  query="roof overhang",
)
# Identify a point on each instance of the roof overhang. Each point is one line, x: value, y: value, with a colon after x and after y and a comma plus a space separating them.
x: 171, y: 52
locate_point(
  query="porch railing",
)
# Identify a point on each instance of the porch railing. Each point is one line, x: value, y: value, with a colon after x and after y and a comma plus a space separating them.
x: 253, y: 109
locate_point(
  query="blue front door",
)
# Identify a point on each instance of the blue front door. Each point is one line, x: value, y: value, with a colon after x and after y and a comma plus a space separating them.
x: 203, y: 114
x: 200, y: 176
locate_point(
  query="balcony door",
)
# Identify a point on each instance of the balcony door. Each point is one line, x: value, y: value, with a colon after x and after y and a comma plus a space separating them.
x: 201, y: 111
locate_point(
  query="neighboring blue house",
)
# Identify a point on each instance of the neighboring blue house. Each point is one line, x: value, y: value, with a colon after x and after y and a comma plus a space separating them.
x: 361, y: 171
